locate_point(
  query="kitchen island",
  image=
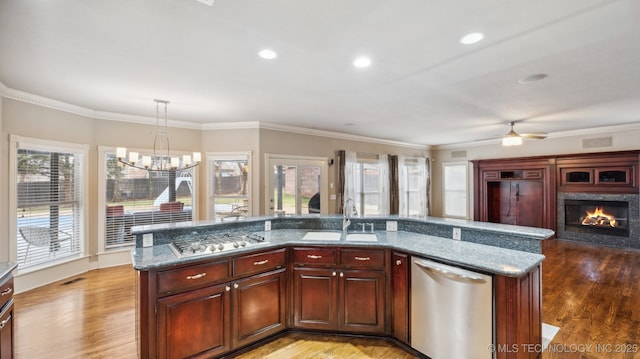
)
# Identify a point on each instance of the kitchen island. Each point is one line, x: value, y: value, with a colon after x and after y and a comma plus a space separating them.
x: 302, y: 273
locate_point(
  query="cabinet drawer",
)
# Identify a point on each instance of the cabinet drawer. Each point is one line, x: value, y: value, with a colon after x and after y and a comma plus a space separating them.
x: 362, y: 258
x: 260, y: 262
x: 6, y: 291
x: 176, y: 280
x: 326, y: 256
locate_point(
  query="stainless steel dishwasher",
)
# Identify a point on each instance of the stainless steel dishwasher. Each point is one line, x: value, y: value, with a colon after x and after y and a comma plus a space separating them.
x: 451, y: 311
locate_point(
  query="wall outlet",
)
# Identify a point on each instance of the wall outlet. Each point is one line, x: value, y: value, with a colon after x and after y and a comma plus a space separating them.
x: 267, y: 225
x: 147, y: 240
x: 457, y: 234
x: 392, y: 226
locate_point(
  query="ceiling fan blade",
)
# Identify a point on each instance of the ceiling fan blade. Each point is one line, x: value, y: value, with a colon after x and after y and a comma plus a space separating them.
x: 535, y: 135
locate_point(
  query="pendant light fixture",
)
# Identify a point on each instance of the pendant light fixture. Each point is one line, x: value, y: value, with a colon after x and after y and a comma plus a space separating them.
x: 161, y: 159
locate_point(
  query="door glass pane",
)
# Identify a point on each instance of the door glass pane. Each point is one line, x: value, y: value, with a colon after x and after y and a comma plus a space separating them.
x: 284, y: 189
x: 230, y: 188
x: 310, y: 189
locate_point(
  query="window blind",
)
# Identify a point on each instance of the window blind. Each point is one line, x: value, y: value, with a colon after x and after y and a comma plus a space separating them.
x: 137, y: 197
x: 50, y: 189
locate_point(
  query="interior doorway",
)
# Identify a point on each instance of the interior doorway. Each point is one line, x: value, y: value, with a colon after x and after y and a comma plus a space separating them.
x: 296, y: 185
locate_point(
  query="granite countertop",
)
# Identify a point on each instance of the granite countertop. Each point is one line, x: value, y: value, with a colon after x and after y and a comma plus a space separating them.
x: 484, y: 258
x: 6, y: 268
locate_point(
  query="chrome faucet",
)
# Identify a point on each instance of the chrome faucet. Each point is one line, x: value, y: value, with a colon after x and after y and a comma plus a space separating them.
x: 347, y: 211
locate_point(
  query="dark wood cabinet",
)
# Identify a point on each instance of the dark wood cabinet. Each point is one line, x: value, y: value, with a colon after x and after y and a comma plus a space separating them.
x: 195, y: 324
x: 6, y: 317
x: 259, y: 307
x: 518, y: 314
x: 400, y: 296
x: 207, y: 309
x: 345, y: 295
x: 515, y: 191
x: 6, y: 331
x: 615, y: 172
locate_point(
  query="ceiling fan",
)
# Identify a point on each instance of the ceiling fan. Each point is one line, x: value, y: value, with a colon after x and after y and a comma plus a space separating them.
x: 514, y: 139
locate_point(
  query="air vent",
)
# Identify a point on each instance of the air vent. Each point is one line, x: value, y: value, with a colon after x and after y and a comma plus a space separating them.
x: 458, y: 154
x: 597, y: 142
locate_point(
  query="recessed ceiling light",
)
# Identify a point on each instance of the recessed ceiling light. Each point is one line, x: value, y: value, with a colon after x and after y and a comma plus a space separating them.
x: 267, y: 54
x: 472, y: 38
x: 362, y: 62
x: 206, y: 2
x: 532, y: 78
x: 349, y: 124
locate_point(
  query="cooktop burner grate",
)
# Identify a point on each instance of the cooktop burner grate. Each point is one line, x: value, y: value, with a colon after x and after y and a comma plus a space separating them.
x: 213, y: 243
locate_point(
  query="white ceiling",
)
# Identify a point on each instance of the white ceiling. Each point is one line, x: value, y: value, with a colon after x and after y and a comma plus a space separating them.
x: 423, y: 87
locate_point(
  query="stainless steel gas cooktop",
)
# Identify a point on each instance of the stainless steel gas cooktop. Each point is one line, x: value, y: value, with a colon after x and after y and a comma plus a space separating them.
x: 214, y: 243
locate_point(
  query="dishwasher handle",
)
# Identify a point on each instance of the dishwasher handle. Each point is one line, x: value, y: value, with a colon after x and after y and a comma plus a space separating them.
x: 449, y: 273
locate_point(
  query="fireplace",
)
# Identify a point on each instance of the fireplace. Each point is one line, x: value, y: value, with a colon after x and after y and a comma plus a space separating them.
x: 597, y: 217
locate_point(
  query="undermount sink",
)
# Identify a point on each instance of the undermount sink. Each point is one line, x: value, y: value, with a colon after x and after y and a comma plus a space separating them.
x: 362, y: 237
x: 322, y: 236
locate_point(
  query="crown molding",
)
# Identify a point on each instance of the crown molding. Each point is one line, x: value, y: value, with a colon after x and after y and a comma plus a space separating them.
x: 339, y: 135
x: 561, y: 134
x: 26, y: 97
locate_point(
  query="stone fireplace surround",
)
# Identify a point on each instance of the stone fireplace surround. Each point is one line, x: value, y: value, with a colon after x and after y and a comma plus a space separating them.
x: 633, y: 241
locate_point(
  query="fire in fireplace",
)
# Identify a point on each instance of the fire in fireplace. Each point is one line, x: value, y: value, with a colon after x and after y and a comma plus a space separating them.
x: 599, y: 218
x: 594, y: 216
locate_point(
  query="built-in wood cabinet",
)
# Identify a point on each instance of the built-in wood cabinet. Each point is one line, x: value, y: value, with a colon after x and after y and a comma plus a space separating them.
x: 515, y: 191
x: 206, y: 309
x: 339, y: 289
x: 518, y: 314
x: 6, y: 317
x: 615, y: 172
x: 400, y: 271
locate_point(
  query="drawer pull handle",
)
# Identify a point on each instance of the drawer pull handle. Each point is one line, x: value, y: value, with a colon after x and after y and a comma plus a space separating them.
x: 7, y: 291
x: 362, y: 258
x: 398, y: 262
x: 227, y: 288
x: 341, y: 275
x: 313, y: 256
x: 333, y: 274
x: 259, y: 263
x: 235, y: 285
x: 197, y: 276
x: 4, y: 322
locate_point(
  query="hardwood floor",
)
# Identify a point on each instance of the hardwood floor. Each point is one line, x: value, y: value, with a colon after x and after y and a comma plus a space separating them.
x: 591, y: 293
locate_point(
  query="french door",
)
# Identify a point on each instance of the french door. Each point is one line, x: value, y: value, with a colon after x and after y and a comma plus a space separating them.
x: 296, y: 185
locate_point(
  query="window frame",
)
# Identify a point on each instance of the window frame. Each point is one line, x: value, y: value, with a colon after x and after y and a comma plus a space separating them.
x: 15, y: 143
x: 103, y: 151
x: 210, y: 173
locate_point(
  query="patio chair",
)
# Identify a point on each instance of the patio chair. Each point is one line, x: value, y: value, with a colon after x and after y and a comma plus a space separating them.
x: 41, y: 237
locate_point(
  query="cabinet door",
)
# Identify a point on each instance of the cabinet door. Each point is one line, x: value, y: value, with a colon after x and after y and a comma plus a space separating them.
x: 194, y: 324
x: 314, y: 298
x: 259, y: 307
x: 6, y: 332
x: 400, y: 296
x: 361, y: 301
x: 516, y: 202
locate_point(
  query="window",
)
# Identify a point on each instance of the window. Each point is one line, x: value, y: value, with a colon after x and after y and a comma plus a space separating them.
x: 229, y: 186
x: 369, y: 185
x: 455, y: 190
x: 49, y: 196
x: 412, y: 186
x: 136, y: 197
